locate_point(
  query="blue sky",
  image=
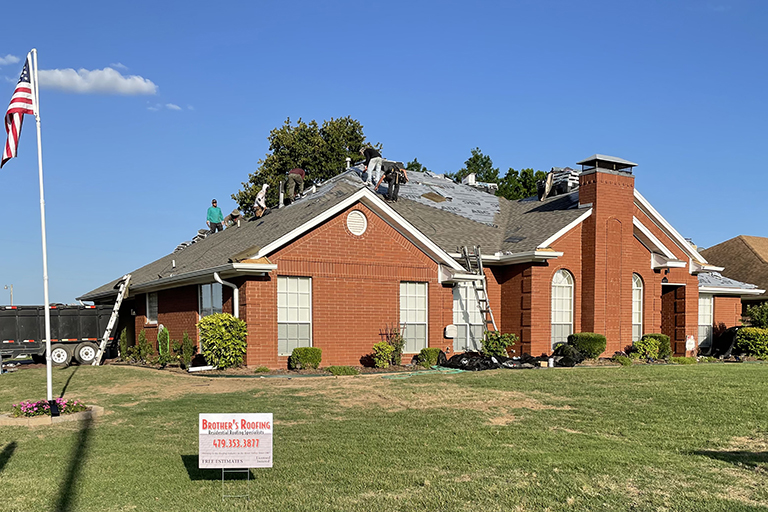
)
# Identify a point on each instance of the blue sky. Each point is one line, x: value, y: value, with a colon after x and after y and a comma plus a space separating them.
x: 131, y: 164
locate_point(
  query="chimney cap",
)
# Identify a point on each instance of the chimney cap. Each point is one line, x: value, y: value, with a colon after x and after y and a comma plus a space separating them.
x: 607, y: 162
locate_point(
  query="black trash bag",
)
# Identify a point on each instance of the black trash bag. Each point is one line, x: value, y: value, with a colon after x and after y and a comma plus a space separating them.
x: 567, y: 355
x: 441, y: 359
x: 472, y: 361
x: 723, y: 345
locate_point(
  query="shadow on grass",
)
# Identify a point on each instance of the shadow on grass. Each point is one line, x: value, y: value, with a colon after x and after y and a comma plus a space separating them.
x: 195, y: 473
x: 6, y: 454
x: 76, y: 461
x: 754, y: 460
x: 66, y: 384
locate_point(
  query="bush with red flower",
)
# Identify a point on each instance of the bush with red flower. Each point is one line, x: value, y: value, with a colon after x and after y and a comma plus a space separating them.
x: 43, y: 408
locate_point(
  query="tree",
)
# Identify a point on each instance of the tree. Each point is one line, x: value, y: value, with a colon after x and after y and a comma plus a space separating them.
x: 479, y: 164
x: 519, y: 185
x: 319, y: 150
x: 415, y: 165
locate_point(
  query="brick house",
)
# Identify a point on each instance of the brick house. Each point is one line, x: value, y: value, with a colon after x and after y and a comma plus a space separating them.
x: 336, y: 268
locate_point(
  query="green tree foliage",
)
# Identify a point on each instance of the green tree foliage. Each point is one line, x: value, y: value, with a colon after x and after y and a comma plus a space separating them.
x: 758, y: 315
x: 415, y: 165
x: 320, y: 150
x: 481, y: 165
x: 519, y: 185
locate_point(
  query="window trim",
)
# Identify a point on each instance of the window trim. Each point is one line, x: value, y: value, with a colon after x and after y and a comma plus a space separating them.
x: 149, y: 321
x: 425, y: 323
x: 310, y: 322
x: 572, y: 287
x: 635, y: 279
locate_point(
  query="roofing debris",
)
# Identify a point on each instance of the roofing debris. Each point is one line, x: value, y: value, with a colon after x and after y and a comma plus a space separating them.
x: 716, y: 279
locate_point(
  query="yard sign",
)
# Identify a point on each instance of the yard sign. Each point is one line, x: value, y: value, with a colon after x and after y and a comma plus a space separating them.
x: 232, y: 441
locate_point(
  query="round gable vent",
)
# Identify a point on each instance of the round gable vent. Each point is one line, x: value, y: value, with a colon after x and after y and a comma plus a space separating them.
x: 356, y: 222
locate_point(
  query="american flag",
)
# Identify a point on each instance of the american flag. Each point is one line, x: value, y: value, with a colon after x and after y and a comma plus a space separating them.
x: 21, y: 103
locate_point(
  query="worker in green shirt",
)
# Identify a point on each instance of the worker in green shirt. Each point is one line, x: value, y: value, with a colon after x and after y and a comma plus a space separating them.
x: 215, y: 218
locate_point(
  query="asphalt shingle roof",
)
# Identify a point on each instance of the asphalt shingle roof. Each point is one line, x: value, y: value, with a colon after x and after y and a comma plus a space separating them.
x: 467, y: 216
x: 745, y: 258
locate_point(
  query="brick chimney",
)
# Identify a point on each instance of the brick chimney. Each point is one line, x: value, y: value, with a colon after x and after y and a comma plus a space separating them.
x: 607, y: 184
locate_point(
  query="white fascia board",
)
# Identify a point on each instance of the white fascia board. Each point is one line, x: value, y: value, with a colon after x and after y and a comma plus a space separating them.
x: 651, y: 238
x: 549, y: 241
x: 379, y: 207
x: 447, y: 275
x: 715, y: 290
x: 204, y: 276
x: 665, y: 226
x: 521, y: 257
x: 697, y: 267
x: 661, y: 261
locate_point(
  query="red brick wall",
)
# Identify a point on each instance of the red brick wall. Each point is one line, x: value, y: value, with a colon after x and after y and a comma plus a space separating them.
x: 355, y: 291
x: 727, y: 311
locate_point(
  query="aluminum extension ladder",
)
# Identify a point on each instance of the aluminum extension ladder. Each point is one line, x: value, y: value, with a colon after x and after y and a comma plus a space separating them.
x: 473, y: 262
x: 122, y: 289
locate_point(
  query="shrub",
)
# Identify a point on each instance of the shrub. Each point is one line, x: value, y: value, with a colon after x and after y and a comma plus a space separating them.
x: 141, y: 352
x: 622, y: 359
x: 496, y: 343
x: 396, y: 340
x: 382, y: 354
x: 590, y: 344
x: 665, y: 345
x: 123, y: 344
x: 683, y: 360
x: 188, y: 349
x: 43, y: 408
x: 428, y: 356
x: 222, y: 338
x: 753, y: 341
x: 261, y: 369
x: 758, y: 315
x: 342, y: 370
x: 303, y: 358
x: 710, y: 359
x: 646, y: 348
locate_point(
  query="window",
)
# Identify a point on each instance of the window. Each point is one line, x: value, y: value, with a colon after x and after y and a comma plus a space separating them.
x: 294, y: 313
x: 562, y: 306
x: 705, y: 319
x: 637, y: 307
x: 210, y: 299
x: 413, y: 315
x: 467, y: 318
x: 152, y: 308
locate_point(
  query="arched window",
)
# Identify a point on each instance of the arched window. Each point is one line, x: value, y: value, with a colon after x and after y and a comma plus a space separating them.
x: 562, y: 306
x: 637, y: 307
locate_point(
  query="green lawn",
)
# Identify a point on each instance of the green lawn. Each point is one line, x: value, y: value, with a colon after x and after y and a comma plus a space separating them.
x: 638, y: 438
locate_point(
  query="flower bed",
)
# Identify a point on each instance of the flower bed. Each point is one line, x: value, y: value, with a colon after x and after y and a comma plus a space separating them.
x: 29, y: 408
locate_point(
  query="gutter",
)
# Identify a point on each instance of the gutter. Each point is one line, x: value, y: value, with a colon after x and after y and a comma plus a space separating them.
x: 235, y: 294
x: 538, y: 255
x: 716, y: 290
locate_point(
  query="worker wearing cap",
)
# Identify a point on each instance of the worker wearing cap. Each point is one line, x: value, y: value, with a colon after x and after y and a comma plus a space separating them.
x: 215, y: 218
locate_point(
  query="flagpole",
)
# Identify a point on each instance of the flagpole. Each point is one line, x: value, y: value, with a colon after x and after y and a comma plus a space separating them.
x: 36, y: 94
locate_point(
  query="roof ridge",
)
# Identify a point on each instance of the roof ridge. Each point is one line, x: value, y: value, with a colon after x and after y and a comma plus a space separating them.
x: 744, y: 239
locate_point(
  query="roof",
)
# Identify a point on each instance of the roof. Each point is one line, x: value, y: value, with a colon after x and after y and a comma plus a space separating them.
x: 447, y: 214
x: 715, y: 282
x: 745, y: 258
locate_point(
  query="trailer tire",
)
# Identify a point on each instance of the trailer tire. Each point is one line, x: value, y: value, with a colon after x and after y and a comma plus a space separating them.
x: 85, y: 352
x: 38, y: 358
x: 61, y: 355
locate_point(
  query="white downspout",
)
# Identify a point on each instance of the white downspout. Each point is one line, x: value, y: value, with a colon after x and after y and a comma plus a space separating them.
x: 235, y: 294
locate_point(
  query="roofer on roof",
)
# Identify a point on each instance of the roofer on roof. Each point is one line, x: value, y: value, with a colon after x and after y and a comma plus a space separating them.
x: 372, y: 160
x: 295, y: 177
x: 261, y: 201
x: 215, y: 218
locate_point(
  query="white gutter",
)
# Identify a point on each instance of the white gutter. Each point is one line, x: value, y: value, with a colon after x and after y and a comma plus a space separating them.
x: 235, y: 294
x: 697, y: 267
x: 716, y: 290
x: 518, y: 257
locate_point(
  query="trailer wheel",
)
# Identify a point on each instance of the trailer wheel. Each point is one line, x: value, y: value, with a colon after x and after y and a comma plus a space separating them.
x: 85, y: 352
x: 61, y: 355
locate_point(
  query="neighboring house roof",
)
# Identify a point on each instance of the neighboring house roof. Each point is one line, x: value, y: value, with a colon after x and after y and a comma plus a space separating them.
x: 433, y: 212
x: 745, y: 258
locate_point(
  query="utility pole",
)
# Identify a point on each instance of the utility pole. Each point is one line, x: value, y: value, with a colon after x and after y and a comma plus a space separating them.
x: 11, y: 288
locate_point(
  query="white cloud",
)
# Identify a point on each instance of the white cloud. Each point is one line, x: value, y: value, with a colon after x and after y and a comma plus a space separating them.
x: 154, y: 107
x: 100, y: 81
x: 118, y: 65
x: 171, y: 106
x: 190, y: 107
x: 9, y: 59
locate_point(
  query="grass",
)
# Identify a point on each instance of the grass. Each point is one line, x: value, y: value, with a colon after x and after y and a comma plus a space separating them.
x: 639, y: 438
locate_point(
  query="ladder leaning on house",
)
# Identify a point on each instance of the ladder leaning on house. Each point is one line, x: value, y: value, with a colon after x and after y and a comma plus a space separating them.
x: 473, y: 262
x: 122, y: 288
